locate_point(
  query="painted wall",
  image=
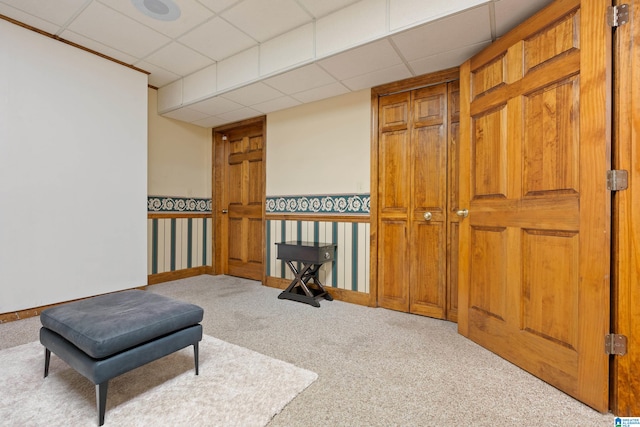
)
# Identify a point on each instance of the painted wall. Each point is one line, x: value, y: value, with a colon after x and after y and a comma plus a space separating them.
x: 320, y: 148
x: 179, y: 156
x: 73, y: 172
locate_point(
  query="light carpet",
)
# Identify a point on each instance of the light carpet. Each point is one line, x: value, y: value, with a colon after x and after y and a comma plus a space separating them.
x: 236, y: 387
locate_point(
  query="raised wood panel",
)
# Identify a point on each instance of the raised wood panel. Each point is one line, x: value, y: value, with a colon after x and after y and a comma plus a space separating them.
x: 550, y: 145
x: 393, y: 165
x: 427, y: 288
x: 488, y: 255
x: 488, y: 77
x: 235, y: 245
x: 393, y: 274
x: 429, y: 165
x: 235, y: 191
x: 394, y: 113
x: 254, y: 174
x: 429, y: 106
x: 489, y: 154
x: 550, y: 311
x: 553, y: 41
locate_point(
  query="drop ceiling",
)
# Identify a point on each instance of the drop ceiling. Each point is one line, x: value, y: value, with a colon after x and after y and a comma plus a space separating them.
x: 227, y: 60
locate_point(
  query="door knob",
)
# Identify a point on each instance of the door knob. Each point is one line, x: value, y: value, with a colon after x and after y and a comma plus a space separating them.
x: 463, y: 213
x: 427, y: 216
x: 225, y: 210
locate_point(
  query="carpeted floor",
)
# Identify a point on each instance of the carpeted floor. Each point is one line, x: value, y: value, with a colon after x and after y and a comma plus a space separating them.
x: 375, y: 367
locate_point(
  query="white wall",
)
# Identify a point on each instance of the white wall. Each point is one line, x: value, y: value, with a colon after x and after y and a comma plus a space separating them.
x: 73, y: 174
x: 320, y: 148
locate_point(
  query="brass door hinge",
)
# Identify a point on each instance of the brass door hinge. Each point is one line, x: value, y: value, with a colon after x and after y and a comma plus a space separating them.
x: 617, y: 180
x: 617, y: 15
x: 615, y: 344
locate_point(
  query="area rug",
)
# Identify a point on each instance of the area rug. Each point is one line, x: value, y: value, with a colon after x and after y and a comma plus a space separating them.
x: 236, y: 387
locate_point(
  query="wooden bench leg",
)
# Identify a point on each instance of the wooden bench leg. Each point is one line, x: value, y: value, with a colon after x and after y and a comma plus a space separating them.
x: 101, y: 400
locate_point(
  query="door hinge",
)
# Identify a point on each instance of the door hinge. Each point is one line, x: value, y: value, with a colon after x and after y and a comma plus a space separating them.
x: 617, y: 180
x: 615, y: 344
x: 617, y: 15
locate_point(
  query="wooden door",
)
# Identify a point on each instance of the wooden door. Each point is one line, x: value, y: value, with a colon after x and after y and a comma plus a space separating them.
x: 534, y: 249
x: 453, y: 204
x: 412, y: 201
x: 239, y: 182
x: 625, y: 391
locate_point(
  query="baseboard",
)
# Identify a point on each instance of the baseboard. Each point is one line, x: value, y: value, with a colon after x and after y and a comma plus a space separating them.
x: 154, y: 279
x: 337, y: 294
x: 33, y: 312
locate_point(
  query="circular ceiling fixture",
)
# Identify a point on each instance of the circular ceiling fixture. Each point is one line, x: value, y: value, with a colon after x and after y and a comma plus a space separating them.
x: 163, y: 10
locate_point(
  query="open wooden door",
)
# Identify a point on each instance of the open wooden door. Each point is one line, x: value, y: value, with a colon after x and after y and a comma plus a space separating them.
x: 534, y: 254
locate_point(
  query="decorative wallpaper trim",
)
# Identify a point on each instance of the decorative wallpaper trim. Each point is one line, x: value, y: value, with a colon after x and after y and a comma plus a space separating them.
x: 178, y: 204
x: 329, y: 204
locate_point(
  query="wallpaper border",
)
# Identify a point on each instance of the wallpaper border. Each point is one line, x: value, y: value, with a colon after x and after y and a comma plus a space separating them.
x: 178, y: 204
x: 357, y: 204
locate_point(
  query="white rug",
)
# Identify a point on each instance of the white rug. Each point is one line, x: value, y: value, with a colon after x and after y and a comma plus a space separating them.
x: 236, y: 387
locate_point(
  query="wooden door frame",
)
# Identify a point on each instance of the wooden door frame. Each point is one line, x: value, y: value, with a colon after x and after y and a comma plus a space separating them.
x: 624, y: 383
x: 438, y: 77
x: 218, y: 185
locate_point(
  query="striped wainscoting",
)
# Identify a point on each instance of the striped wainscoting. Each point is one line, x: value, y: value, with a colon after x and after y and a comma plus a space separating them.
x: 349, y: 271
x: 177, y: 243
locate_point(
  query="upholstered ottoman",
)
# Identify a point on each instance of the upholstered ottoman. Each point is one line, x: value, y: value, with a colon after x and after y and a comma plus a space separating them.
x: 108, y: 335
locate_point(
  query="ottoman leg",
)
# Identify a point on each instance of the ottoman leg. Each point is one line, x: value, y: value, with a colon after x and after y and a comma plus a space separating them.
x: 195, y: 356
x: 101, y: 400
x: 47, y: 358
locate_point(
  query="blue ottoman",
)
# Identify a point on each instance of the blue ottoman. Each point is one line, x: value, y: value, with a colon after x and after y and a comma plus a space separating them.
x: 105, y: 336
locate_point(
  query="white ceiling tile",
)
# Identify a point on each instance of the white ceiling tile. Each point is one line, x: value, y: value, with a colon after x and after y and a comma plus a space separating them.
x: 210, y: 122
x: 201, y: 84
x: 178, y: 59
x: 238, y: 69
x: 57, y: 12
x: 446, y: 60
x: 98, y: 22
x: 241, y: 114
x: 359, y: 23
x: 428, y: 39
x: 281, y: 103
x: 98, y: 47
x: 263, y: 20
x: 217, y: 39
x: 300, y: 79
x: 372, y: 57
x: 216, y: 105
x: 253, y: 94
x: 28, y: 19
x: 404, y: 13
x: 159, y: 76
x: 321, y: 8
x: 218, y: 5
x: 192, y: 14
x: 378, y: 77
x: 287, y: 50
x: 510, y: 13
x: 185, y: 114
x: 319, y: 93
